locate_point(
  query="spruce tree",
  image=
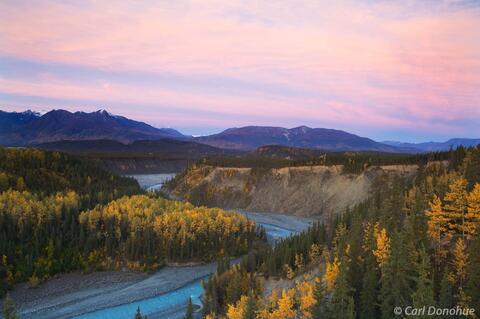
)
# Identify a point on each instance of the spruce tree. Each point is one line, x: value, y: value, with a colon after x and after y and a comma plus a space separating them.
x: 445, y: 298
x: 472, y: 287
x: 138, y: 314
x: 395, y: 286
x: 423, y: 295
x: 189, y: 312
x: 9, y: 309
x: 368, y: 294
x: 318, y: 309
x: 250, y: 307
x: 341, y: 305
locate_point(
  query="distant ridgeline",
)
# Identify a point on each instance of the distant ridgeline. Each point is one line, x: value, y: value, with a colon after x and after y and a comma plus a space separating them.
x: 414, y: 242
x: 59, y: 213
x: 275, y: 156
x: 149, y: 156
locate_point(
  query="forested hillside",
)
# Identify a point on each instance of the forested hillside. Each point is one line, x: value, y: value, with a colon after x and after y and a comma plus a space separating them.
x: 59, y: 213
x: 47, y: 173
x: 412, y: 243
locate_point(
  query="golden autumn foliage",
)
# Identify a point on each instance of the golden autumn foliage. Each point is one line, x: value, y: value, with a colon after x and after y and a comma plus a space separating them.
x: 331, y: 273
x: 285, y: 306
x: 146, y: 227
x: 473, y: 210
x: 292, y: 303
x: 437, y: 221
x: 315, y: 254
x: 459, y: 215
x: 460, y: 263
x: 382, y: 250
x: 237, y: 311
x: 305, y: 296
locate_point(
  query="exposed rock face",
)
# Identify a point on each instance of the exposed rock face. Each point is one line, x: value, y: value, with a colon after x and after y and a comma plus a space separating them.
x: 303, y: 191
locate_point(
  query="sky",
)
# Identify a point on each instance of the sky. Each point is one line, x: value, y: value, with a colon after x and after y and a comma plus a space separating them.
x: 390, y: 70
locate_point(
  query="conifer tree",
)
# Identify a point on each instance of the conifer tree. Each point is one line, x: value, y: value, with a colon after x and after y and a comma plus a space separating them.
x: 368, y: 294
x: 395, y: 287
x: 189, y: 312
x: 423, y: 295
x: 472, y: 287
x: 9, y: 309
x: 318, y: 309
x: 341, y: 305
x: 250, y: 307
x: 138, y: 314
x: 445, y: 298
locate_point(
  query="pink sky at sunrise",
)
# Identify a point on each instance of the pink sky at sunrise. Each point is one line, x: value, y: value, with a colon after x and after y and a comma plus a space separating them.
x: 406, y: 70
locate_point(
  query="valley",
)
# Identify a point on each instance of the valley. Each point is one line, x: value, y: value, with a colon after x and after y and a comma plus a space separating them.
x: 108, y: 295
x: 239, y: 159
x: 174, y: 227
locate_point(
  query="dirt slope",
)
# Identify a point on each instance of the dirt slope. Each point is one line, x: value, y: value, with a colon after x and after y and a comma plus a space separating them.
x: 302, y: 191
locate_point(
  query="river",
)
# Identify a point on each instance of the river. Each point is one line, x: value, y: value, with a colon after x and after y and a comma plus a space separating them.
x: 172, y: 305
x: 163, y: 294
x: 152, y: 182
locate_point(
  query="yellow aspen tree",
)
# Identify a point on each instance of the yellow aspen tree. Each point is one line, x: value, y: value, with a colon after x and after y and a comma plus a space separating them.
x: 273, y: 299
x: 437, y: 220
x: 438, y: 229
x: 460, y: 262
x: 306, y: 298
x: 299, y: 262
x: 473, y: 211
x: 289, y: 273
x: 382, y: 251
x: 315, y: 253
x: 237, y: 311
x: 456, y: 206
x: 331, y: 274
x: 285, y: 308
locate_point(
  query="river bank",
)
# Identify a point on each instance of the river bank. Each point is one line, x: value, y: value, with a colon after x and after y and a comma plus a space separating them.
x: 117, y: 294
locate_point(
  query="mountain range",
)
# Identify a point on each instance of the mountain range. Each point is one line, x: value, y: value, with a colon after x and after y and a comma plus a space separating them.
x: 437, y: 146
x: 60, y: 129
x: 30, y: 128
x: 251, y: 137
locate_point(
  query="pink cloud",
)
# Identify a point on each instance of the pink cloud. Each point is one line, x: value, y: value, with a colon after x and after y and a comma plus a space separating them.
x: 384, y: 64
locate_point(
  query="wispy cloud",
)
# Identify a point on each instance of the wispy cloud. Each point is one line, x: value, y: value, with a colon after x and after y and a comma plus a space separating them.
x: 372, y: 67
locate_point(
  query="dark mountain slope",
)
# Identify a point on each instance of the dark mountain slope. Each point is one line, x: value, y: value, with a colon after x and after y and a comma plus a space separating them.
x: 60, y: 125
x: 162, y: 148
x: 251, y: 137
x: 140, y: 157
x: 11, y: 123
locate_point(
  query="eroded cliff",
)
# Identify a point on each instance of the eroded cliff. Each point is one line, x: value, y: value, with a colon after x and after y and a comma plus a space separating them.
x: 303, y: 191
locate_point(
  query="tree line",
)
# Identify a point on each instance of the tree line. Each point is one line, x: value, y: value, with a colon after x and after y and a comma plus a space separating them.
x: 353, y: 162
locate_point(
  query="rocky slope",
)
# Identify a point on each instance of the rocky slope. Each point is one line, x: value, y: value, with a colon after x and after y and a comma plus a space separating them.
x: 303, y: 191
